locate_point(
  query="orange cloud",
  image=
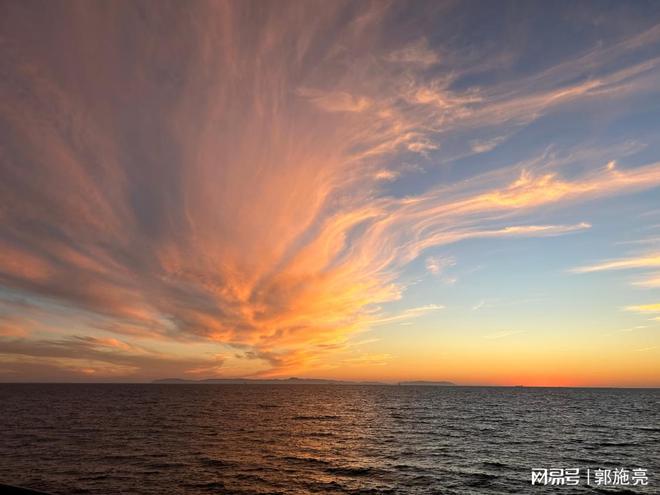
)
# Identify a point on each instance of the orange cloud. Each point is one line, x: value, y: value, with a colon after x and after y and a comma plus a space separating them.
x: 203, y: 187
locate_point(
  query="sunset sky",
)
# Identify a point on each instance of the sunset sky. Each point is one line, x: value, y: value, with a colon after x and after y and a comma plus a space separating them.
x: 464, y: 191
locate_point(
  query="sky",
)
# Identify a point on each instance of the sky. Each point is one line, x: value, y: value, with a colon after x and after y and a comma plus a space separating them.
x: 463, y: 191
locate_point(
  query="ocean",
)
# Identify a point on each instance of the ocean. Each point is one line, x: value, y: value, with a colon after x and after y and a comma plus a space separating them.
x: 298, y: 439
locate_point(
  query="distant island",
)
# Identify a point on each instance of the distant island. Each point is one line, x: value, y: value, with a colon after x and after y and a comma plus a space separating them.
x: 429, y: 384
x: 263, y: 381
x: 290, y: 381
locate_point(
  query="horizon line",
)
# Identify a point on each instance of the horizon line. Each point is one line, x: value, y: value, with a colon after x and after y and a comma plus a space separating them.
x: 336, y: 383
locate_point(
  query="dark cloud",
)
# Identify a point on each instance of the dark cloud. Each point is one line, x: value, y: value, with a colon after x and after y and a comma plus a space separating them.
x: 86, y: 355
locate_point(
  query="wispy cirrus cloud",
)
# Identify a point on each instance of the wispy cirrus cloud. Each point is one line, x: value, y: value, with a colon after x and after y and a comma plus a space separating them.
x: 438, y: 265
x: 639, y: 262
x: 225, y: 178
x: 650, y: 281
x: 645, y: 308
x: 651, y: 260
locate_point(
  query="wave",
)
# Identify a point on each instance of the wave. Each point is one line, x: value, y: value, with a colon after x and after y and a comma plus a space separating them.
x: 351, y: 471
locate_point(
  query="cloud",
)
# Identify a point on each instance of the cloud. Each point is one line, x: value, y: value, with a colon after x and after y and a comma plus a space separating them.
x: 386, y: 175
x: 105, y: 357
x: 437, y: 265
x: 14, y: 326
x: 415, y: 54
x: 632, y: 329
x: 645, y: 308
x: 205, y: 175
x: 407, y: 314
x: 485, y: 145
x: 639, y: 262
x: 644, y: 261
x: 651, y: 281
x: 336, y: 102
x: 479, y: 305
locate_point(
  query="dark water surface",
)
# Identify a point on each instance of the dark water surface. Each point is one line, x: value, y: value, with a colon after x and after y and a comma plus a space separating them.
x: 223, y: 439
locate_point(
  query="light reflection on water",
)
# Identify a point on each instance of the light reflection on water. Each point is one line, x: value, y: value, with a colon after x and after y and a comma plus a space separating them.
x: 198, y: 439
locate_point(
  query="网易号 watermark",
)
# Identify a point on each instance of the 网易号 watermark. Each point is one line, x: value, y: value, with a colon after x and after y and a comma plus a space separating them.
x: 598, y: 477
